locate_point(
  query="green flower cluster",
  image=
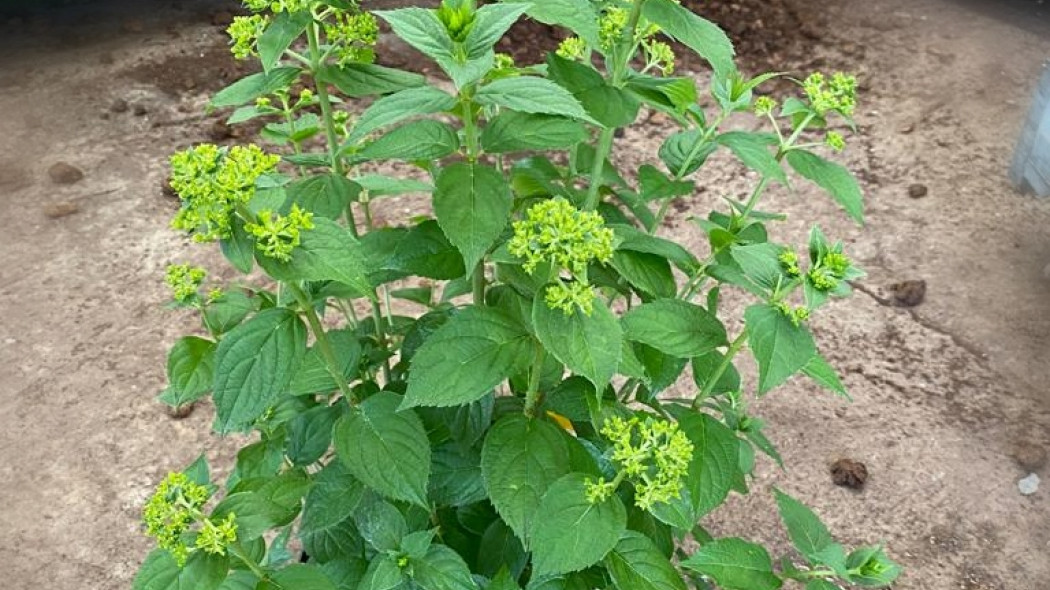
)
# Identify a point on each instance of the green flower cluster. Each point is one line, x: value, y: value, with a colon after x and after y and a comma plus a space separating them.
x: 244, y: 34
x: 277, y: 235
x: 660, y: 56
x: 829, y: 270
x: 838, y: 94
x: 277, y: 6
x: 556, y: 232
x: 174, y: 508
x: 185, y: 281
x: 835, y: 141
x: 212, y: 182
x: 789, y: 263
x: 654, y: 455
x: 572, y: 48
x: 797, y: 315
x: 458, y: 18
x: 764, y: 105
x: 611, y: 26
x: 353, y: 35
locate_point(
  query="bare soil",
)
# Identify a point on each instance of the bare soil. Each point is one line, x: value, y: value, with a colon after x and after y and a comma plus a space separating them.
x: 951, y: 403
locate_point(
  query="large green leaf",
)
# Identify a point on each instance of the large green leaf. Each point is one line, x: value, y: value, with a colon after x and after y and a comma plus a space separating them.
x: 251, y: 87
x: 649, y: 273
x: 313, y: 375
x: 833, y: 178
x: 324, y: 195
x: 425, y: 139
x: 310, y: 434
x: 700, y: 35
x: 386, y: 449
x: 500, y: 550
x: 715, y: 460
x: 425, y: 251
x: 472, y: 203
x: 577, y: 16
x: 358, y: 79
x: 807, y: 532
x: 381, y: 523
x: 590, y: 345
x: 491, y: 21
x: 753, y: 151
x: 735, y: 564
x: 285, y: 28
x: 635, y: 240
x: 191, y: 369
x: 441, y: 569
x: 332, y: 499
x: 607, y: 104
x: 327, y: 253
x: 455, y: 476
x: 203, y: 571
x: 298, y: 576
x: 574, y: 533
x: 420, y: 28
x: 254, y: 364
x: 412, y: 102
x: 529, y: 94
x: 675, y: 327
x: 512, y: 131
x: 637, y: 563
x: 521, y: 458
x: 468, y: 356
x: 780, y: 347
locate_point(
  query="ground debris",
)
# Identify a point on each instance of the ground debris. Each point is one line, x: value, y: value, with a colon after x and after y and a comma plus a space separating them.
x: 849, y: 473
x: 63, y: 173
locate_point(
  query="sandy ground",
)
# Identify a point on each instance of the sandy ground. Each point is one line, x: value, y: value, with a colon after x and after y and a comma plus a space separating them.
x: 944, y: 392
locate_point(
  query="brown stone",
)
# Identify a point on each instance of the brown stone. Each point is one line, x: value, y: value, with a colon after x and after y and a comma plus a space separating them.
x: 917, y: 191
x: 1029, y: 456
x: 849, y: 473
x: 119, y: 106
x: 63, y: 173
x: 908, y: 293
x: 60, y: 209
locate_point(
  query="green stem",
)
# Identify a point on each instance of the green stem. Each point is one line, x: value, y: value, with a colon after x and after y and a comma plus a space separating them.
x: 470, y: 125
x: 601, y: 153
x: 327, y: 354
x: 712, y: 380
x: 478, y: 283
x: 533, y: 396
x: 238, y: 551
x: 377, y: 319
x: 686, y: 163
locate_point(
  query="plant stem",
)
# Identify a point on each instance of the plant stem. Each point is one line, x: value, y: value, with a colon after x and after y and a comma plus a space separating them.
x: 533, y: 396
x: 712, y: 380
x: 601, y: 152
x: 478, y: 283
x: 240, y: 553
x: 327, y: 354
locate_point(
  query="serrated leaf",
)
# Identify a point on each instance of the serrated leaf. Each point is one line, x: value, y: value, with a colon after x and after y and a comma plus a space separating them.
x: 425, y: 139
x: 420, y: 28
x: 441, y: 569
x: 251, y: 87
x: 574, y: 533
x: 491, y: 22
x: 324, y: 195
x: 281, y: 32
x: 655, y: 185
x: 313, y: 375
x: 426, y: 252
x: 589, y: 345
x: 472, y: 203
x: 699, y: 34
x: 326, y: 253
x: 519, y: 461
x: 254, y: 364
x: 753, y: 151
x: 807, y: 532
x: 577, y: 16
x: 468, y: 356
x: 190, y: 370
x: 358, y: 79
x: 455, y: 476
x: 380, y: 523
x: 649, y: 273
x: 833, y: 178
x: 411, y: 102
x: 735, y: 564
x: 715, y: 460
x: 607, y: 104
x: 824, y: 374
x: 529, y: 94
x: 298, y: 576
x: 385, y: 448
x: 780, y: 347
x: 500, y: 551
x: 674, y: 327
x: 512, y: 131
x: 706, y: 364
x: 203, y: 571
x: 333, y: 498
x: 637, y: 563
x: 310, y: 434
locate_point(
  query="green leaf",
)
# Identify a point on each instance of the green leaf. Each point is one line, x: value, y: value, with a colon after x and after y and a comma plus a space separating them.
x: 327, y: 253
x: 468, y: 356
x: 635, y: 240
x: 656, y: 186
x: 285, y: 28
x: 648, y: 273
x: 753, y: 151
x: 700, y: 35
x: 251, y: 87
x: 472, y: 203
x: 378, y: 185
x: 589, y: 345
x: 313, y: 375
x: 441, y: 569
x: 714, y: 464
x: 203, y: 571
x: 240, y: 580
x: 298, y: 576
x: 420, y: 28
x: 346, y: 573
x: 426, y: 252
x: 833, y: 178
x: 807, y: 532
x: 875, y: 568
x: 636, y: 563
x: 675, y: 327
x: 324, y: 195
x: 760, y: 264
x: 529, y: 94
x: 780, y: 347
x: 190, y: 370
x: 255, y: 513
x: 386, y: 449
x: 333, y: 498
x: 254, y: 364
x: 577, y: 16
x: 455, y: 476
x: 358, y: 79
x: 682, y: 154
x: 735, y: 564
x: 229, y: 310
x: 310, y: 434
x: 824, y: 374
x: 338, y: 543
x: 608, y: 105
x: 503, y: 580
x: 239, y: 248
x: 675, y: 94
x: 397, y: 107
x: 381, y: 524
x: 501, y: 551
x: 511, y: 131
x: 520, y: 459
x: 425, y: 139
x: 491, y: 21
x: 820, y: 585
x: 706, y: 364
x: 574, y: 533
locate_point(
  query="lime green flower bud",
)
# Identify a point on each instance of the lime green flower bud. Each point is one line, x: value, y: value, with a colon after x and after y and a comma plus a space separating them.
x: 244, y: 34
x: 354, y: 36
x: 654, y: 455
x: 797, y: 315
x: 599, y: 490
x: 838, y: 95
x: 215, y: 538
x: 170, y: 512
x: 185, y: 281
x: 277, y: 235
x: 569, y: 296
x: 555, y: 231
x: 458, y: 18
x: 835, y: 141
x: 212, y: 182
x: 789, y: 262
x: 572, y: 48
x: 611, y: 26
x: 661, y: 56
x: 504, y: 62
x: 257, y: 5
x: 764, y: 105
x: 823, y: 279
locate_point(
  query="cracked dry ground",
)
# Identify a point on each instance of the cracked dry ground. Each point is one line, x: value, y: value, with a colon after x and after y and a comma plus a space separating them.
x: 944, y: 391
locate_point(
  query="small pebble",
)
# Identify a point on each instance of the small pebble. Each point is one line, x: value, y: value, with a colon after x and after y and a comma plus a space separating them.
x: 63, y: 173
x: 849, y: 473
x: 60, y: 209
x: 180, y: 412
x: 1029, y: 456
x: 917, y: 191
x: 119, y: 106
x: 1028, y: 485
x: 908, y: 293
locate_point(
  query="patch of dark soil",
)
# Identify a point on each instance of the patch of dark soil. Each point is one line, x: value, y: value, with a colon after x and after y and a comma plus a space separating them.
x: 209, y: 70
